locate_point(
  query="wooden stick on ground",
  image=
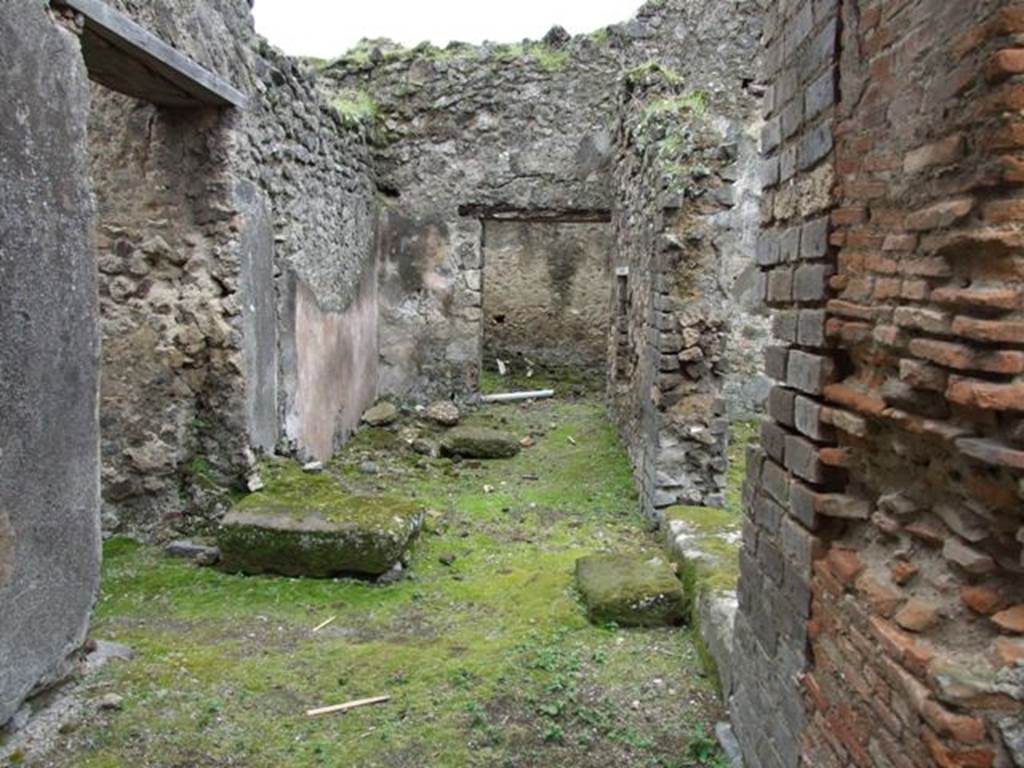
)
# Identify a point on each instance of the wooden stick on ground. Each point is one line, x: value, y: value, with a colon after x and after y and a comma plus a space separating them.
x: 347, y: 706
x: 324, y: 623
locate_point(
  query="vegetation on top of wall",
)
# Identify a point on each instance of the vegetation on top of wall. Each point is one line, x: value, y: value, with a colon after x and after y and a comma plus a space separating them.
x: 382, y: 50
x: 355, y: 106
x: 600, y: 36
x: 549, y: 59
x: 652, y: 72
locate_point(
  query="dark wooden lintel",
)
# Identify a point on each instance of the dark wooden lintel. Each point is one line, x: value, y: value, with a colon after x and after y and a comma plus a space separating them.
x: 126, y: 58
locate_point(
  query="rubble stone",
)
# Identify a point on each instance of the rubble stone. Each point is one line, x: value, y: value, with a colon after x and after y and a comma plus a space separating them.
x: 632, y: 590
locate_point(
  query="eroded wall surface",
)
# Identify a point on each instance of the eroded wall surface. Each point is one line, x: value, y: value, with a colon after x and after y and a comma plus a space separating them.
x: 881, y: 594
x: 207, y: 219
x: 468, y: 134
x: 682, y: 171
x: 546, y: 289
x: 49, y: 442
x: 169, y: 354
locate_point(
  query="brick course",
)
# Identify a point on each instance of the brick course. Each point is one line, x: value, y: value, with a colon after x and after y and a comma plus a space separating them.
x: 900, y: 457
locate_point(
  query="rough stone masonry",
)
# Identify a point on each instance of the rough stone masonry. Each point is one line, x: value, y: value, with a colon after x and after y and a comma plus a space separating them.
x: 251, y: 277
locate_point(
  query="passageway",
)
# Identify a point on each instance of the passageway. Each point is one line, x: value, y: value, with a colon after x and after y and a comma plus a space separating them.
x: 484, y: 648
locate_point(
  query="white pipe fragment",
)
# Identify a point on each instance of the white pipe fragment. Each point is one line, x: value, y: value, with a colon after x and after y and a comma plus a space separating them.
x: 511, y: 397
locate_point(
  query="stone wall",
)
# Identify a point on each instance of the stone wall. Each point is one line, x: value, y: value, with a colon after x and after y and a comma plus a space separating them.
x: 211, y: 223
x: 881, y: 571
x: 683, y: 172
x: 461, y: 134
x: 546, y: 289
x: 468, y: 134
x: 170, y: 369
x: 49, y: 524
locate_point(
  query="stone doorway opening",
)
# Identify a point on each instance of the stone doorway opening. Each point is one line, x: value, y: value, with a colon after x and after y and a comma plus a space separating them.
x: 546, y: 290
x: 162, y: 304
x: 165, y: 226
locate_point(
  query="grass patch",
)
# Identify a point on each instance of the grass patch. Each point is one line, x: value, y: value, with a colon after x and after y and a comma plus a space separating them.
x: 489, y: 660
x: 355, y: 106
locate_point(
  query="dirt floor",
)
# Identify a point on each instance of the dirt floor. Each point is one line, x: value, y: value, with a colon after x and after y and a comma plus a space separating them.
x: 484, y: 648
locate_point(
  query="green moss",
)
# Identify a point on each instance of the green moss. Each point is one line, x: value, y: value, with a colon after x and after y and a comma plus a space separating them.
x: 482, y: 658
x: 549, y: 59
x: 288, y: 487
x: 375, y: 439
x: 695, y: 102
x: 564, y: 381
x: 704, y: 519
x: 355, y: 106
x: 600, y: 37
x: 480, y: 443
x: 743, y: 434
x: 651, y: 72
x: 509, y: 52
x: 630, y: 589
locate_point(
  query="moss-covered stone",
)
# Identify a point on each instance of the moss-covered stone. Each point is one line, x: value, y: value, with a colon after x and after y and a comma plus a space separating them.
x: 632, y: 590
x: 305, y: 525
x: 703, y: 519
x: 703, y: 543
x: 479, y: 443
x: 382, y: 414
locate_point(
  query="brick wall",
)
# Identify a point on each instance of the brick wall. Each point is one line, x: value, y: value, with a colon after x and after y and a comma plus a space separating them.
x: 892, y: 462
x: 786, y: 471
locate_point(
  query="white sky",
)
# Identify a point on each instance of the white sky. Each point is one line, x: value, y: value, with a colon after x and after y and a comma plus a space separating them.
x: 327, y: 28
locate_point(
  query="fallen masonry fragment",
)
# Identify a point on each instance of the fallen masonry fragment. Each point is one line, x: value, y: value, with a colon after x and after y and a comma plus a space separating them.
x: 479, y: 443
x: 353, y: 535
x: 308, y: 525
x: 634, y: 590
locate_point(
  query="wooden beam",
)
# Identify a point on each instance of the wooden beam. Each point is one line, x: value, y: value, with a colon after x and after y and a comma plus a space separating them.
x: 126, y: 58
x: 536, y: 215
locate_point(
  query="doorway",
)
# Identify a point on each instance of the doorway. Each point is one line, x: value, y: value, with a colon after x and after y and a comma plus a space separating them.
x: 546, y: 303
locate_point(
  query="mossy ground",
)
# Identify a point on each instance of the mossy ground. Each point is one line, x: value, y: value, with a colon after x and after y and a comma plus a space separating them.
x: 565, y: 383
x: 488, y: 662
x: 717, y: 531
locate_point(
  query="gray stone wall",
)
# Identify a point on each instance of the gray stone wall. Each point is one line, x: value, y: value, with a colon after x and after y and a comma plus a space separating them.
x: 469, y: 133
x: 171, y: 380
x: 546, y: 289
x: 209, y: 222
x: 49, y: 521
x: 683, y: 225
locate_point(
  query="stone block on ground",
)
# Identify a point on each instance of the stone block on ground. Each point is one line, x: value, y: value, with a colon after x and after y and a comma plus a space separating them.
x: 307, y: 526
x: 703, y: 543
x: 382, y: 414
x: 631, y: 590
x: 190, y: 550
x: 479, y: 443
x: 443, y: 412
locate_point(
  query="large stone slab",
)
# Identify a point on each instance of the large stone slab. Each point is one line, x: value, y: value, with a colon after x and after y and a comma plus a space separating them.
x: 49, y: 355
x: 319, y: 536
x: 479, y: 443
x: 631, y: 589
